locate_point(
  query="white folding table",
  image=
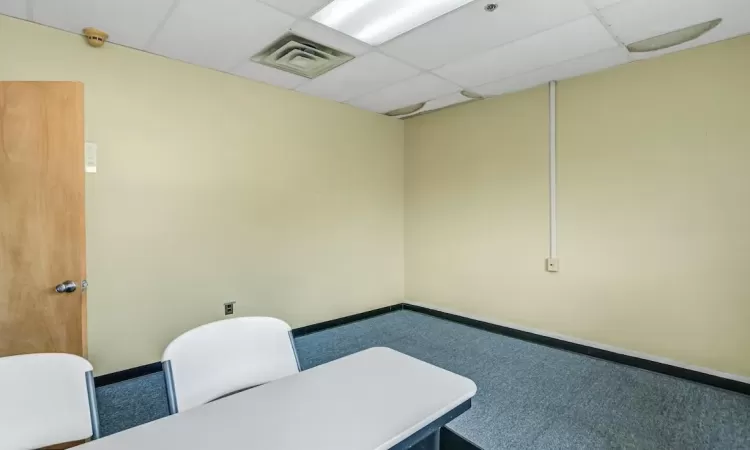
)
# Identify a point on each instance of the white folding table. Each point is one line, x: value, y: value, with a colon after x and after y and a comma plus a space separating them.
x: 372, y: 400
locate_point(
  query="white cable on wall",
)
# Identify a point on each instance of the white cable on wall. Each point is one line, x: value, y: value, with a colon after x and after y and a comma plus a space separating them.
x: 553, y: 169
x: 552, y: 260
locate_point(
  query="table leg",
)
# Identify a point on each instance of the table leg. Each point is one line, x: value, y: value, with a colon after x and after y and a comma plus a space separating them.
x: 435, y: 440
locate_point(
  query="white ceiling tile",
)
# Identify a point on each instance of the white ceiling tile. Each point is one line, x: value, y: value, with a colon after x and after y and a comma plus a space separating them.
x: 14, y: 8
x: 268, y: 75
x: 569, y: 41
x: 421, y: 88
x: 635, y: 20
x: 330, y: 37
x: 219, y: 34
x: 599, y: 4
x: 299, y: 8
x: 514, y: 84
x: 129, y: 23
x: 567, y: 69
x: 471, y: 30
x: 359, y: 76
x: 522, y: 44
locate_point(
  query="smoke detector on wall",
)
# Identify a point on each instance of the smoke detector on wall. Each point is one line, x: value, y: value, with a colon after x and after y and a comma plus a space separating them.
x: 95, y: 37
x: 301, y: 56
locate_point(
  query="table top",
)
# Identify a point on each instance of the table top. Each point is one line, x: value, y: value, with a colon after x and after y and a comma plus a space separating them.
x: 370, y: 400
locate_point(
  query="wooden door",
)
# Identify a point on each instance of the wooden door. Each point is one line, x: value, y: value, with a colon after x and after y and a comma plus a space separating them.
x: 42, y: 232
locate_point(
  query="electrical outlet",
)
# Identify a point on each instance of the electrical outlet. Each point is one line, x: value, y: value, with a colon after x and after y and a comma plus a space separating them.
x: 553, y: 264
x: 228, y: 308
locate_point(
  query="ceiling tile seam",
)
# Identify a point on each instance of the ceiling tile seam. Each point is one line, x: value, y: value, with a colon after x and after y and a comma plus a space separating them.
x: 336, y: 32
x: 520, y: 75
x: 512, y: 42
x: 162, y: 23
x: 466, y: 6
x: 30, y: 5
x: 413, y: 30
x: 449, y: 81
x: 546, y: 67
x: 379, y: 50
x: 316, y: 10
x: 275, y: 8
x: 256, y: 81
x: 403, y: 61
x: 421, y: 72
x: 308, y: 14
x: 418, y: 69
x: 596, y: 13
x: 349, y: 102
x: 528, y: 72
x: 589, y: 5
x: 460, y: 86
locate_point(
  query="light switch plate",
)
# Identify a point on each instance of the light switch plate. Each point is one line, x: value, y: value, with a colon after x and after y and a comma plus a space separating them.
x: 553, y: 264
x: 90, y: 157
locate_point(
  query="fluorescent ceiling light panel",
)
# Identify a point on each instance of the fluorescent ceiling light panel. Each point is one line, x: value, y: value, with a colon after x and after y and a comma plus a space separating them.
x: 378, y: 21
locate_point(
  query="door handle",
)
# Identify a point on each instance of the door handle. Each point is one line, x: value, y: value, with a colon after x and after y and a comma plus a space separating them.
x: 66, y: 286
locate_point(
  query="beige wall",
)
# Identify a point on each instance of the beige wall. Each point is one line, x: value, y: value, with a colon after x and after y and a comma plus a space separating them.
x: 654, y: 222
x: 214, y: 188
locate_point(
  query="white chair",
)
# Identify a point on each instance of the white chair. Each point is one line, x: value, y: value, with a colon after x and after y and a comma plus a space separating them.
x: 46, y: 399
x: 224, y: 357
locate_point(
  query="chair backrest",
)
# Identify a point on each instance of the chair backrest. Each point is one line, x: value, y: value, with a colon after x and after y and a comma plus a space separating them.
x: 46, y: 399
x: 227, y: 356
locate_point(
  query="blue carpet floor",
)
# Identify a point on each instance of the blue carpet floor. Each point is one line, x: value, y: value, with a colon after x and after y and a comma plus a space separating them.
x: 529, y: 396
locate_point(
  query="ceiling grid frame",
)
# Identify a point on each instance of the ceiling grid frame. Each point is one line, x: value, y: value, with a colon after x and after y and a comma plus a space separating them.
x: 619, y: 18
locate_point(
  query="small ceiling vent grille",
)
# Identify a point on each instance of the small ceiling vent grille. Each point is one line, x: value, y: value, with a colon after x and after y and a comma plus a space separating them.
x: 301, y: 56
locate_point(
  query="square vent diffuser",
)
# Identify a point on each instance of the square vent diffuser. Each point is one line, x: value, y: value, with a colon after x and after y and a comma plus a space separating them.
x: 301, y: 56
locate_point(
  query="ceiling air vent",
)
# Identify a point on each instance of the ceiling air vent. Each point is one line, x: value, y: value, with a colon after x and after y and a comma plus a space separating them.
x: 301, y: 56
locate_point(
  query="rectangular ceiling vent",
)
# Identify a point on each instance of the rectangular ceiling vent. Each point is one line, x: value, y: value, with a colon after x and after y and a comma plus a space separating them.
x: 301, y: 56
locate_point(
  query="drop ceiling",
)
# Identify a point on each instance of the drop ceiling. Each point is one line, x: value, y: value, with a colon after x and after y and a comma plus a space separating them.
x: 521, y: 44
